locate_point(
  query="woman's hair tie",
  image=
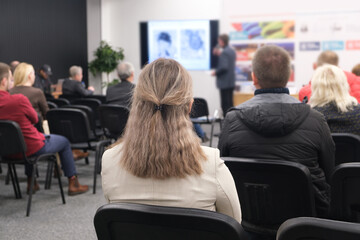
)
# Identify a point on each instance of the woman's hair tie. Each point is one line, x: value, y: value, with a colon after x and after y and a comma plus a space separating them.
x: 159, y: 107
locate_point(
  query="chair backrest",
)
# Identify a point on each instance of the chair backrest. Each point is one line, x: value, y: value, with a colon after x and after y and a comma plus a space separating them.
x: 52, y: 105
x: 199, y: 108
x: 60, y: 101
x: 90, y: 102
x: 11, y: 138
x: 102, y: 98
x: 113, y: 119
x: 127, y: 221
x: 347, y: 147
x: 270, y: 192
x: 345, y: 192
x: 89, y: 112
x: 70, y: 123
x: 307, y: 228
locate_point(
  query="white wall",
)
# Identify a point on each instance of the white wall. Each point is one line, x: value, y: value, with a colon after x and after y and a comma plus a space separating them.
x: 94, y: 37
x: 120, y: 27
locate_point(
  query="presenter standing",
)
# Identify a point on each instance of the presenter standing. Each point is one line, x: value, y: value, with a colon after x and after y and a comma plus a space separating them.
x: 225, y: 72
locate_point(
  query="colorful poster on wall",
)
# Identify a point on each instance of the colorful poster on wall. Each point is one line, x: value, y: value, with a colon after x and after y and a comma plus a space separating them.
x: 263, y: 30
x: 305, y: 34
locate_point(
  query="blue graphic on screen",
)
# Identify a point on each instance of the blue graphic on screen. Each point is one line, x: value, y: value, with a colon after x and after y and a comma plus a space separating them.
x: 188, y: 42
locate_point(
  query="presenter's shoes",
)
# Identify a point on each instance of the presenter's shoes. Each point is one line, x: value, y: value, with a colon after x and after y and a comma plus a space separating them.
x: 36, y: 186
x: 78, y: 154
x: 75, y: 187
x: 205, y: 139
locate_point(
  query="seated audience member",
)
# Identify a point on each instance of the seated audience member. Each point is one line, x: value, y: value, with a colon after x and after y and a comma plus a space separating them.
x: 159, y: 160
x: 122, y: 92
x: 330, y: 57
x: 74, y: 86
x: 24, y: 78
x: 42, y: 79
x: 330, y: 96
x: 13, y: 65
x: 273, y: 125
x: 356, y: 70
x: 18, y: 108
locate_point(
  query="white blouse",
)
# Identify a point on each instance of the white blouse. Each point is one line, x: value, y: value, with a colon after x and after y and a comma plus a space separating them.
x: 213, y: 190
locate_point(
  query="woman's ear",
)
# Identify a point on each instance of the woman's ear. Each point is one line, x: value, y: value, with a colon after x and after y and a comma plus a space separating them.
x: 190, y: 105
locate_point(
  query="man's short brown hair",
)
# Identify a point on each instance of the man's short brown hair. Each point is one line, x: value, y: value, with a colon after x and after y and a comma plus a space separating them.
x: 271, y: 66
x: 4, y: 71
x: 327, y: 57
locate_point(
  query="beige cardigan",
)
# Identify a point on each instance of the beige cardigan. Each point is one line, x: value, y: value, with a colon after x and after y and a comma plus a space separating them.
x: 213, y: 190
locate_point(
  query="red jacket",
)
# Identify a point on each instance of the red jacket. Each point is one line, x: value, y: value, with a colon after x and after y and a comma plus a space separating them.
x: 353, y: 80
x: 18, y: 108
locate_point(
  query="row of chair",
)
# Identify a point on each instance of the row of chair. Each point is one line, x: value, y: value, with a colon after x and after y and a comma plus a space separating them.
x: 199, y: 112
x: 272, y: 191
x: 138, y: 221
x: 73, y: 122
x: 272, y: 194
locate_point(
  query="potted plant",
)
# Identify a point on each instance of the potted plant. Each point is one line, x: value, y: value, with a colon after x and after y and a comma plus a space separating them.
x: 106, y: 60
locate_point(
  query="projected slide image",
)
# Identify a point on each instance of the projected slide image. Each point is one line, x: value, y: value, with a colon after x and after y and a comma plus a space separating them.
x: 164, y: 44
x: 193, y: 44
x: 188, y: 42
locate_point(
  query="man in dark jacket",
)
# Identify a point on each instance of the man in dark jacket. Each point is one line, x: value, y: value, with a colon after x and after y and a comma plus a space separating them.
x: 225, y: 72
x: 74, y: 86
x: 121, y: 93
x: 42, y: 79
x: 274, y: 125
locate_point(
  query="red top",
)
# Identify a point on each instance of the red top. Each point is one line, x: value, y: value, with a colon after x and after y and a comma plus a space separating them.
x: 354, y: 84
x: 19, y: 109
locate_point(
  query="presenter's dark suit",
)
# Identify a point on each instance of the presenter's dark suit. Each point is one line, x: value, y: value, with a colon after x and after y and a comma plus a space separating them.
x: 75, y: 88
x: 120, y: 93
x: 225, y: 77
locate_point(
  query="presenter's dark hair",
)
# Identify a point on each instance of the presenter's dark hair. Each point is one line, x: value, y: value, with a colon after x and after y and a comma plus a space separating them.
x: 225, y: 39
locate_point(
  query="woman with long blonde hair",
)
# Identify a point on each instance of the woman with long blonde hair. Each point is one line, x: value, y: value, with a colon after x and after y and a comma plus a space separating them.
x: 331, y: 97
x: 24, y: 78
x: 159, y: 159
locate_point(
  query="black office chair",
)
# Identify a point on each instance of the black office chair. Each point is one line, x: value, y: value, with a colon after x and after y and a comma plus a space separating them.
x: 270, y: 192
x: 93, y: 104
x: 74, y: 125
x: 113, y: 119
x: 200, y: 114
x: 345, y: 194
x: 52, y: 105
x: 308, y: 228
x: 137, y: 221
x: 12, y: 142
x: 60, y: 101
x: 347, y: 147
x: 96, y: 133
